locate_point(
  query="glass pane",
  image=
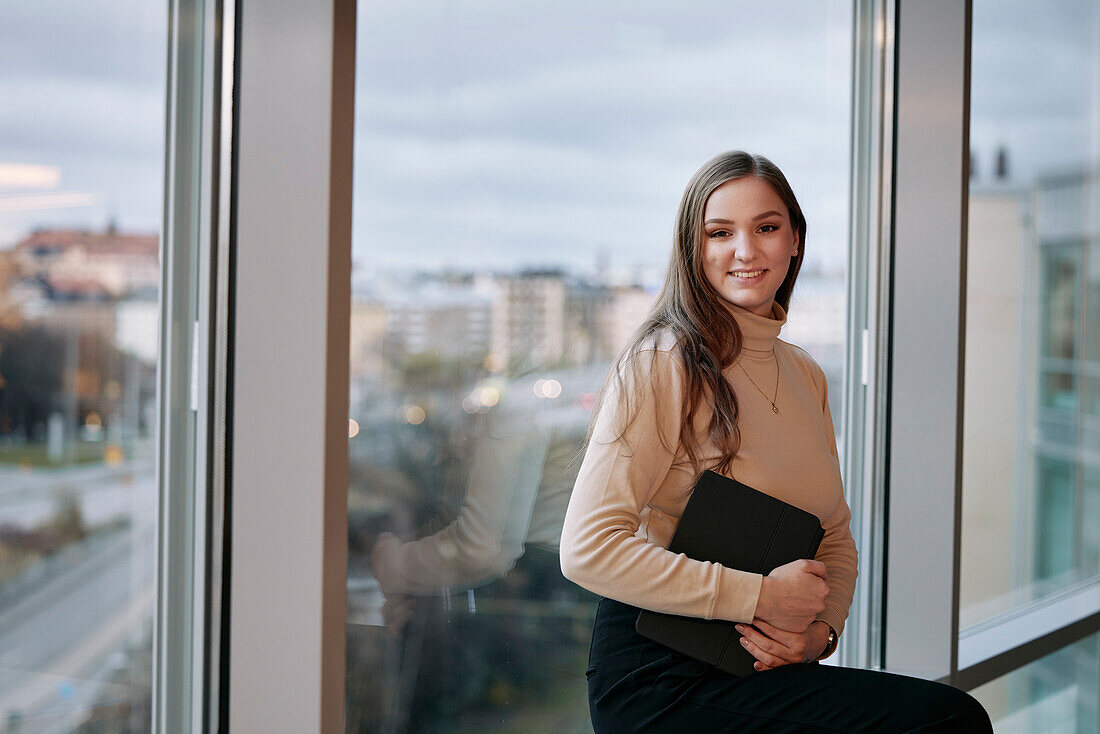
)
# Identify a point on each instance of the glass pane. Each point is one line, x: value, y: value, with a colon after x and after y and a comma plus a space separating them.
x: 1058, y: 290
x: 518, y: 170
x: 1092, y: 287
x: 1092, y: 338
x: 1054, y: 521
x: 1090, y: 540
x: 81, y: 170
x: 1057, y: 694
x: 1032, y: 315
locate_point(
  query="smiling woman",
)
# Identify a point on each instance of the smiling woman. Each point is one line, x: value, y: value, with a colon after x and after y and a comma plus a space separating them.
x: 674, y: 407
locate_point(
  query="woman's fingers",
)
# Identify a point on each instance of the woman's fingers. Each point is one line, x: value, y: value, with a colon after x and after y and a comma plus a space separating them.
x: 799, y: 643
x: 762, y: 655
x: 775, y: 633
x: 784, y: 644
x: 775, y: 649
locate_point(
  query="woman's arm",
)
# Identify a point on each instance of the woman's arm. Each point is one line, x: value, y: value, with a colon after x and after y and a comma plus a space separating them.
x: 619, y: 476
x: 487, y: 537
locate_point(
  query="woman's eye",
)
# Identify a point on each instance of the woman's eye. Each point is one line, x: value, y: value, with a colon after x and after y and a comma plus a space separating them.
x: 767, y: 228
x: 719, y: 233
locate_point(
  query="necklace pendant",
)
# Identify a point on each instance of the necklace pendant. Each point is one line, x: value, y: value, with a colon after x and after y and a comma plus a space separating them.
x: 774, y: 409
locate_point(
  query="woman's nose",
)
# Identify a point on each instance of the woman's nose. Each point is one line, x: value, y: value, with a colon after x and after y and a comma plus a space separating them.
x: 743, y: 246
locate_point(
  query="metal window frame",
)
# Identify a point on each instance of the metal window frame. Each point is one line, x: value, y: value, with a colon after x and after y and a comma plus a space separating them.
x: 868, y: 318
x: 927, y: 289
x: 211, y: 710
x: 291, y: 305
x: 187, y: 331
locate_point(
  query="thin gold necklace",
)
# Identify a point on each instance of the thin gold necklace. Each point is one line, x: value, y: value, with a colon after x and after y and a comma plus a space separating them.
x: 772, y: 401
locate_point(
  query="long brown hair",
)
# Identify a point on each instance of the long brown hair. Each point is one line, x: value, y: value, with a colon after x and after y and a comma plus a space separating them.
x: 690, y: 308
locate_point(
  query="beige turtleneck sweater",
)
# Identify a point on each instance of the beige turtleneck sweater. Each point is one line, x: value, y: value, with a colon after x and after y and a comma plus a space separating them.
x: 631, y: 491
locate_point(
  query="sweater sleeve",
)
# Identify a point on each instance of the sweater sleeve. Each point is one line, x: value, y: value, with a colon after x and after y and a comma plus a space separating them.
x: 620, y: 474
x: 837, y: 550
x: 487, y: 537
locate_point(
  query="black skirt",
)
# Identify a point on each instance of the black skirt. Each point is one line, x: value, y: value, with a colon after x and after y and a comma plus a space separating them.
x: 638, y: 685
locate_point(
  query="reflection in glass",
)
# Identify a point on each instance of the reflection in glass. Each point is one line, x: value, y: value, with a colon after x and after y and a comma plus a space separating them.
x: 1031, y: 441
x: 81, y: 166
x: 1057, y: 694
x: 1054, y: 521
x: 1060, y: 299
x: 515, y: 193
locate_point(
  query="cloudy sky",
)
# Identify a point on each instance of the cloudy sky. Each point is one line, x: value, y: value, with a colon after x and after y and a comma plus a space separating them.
x: 82, y: 100
x: 500, y: 134
x: 1035, y: 85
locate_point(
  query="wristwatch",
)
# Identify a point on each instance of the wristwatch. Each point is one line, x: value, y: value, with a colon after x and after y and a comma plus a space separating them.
x: 830, y: 647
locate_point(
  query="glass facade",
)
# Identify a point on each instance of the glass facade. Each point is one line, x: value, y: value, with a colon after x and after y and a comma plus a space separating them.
x: 1032, y: 439
x: 81, y: 176
x: 515, y: 195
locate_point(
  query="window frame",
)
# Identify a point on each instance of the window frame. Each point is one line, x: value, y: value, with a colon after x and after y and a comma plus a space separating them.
x: 290, y: 224
x: 186, y: 395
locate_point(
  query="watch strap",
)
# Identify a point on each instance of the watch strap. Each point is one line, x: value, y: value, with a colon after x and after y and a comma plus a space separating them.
x: 831, y: 645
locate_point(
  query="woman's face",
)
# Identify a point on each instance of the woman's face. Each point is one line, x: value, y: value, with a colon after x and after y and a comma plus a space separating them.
x: 747, y: 232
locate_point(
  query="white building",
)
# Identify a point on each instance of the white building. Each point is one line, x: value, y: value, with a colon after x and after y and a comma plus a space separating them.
x: 120, y: 263
x: 528, y: 316
x: 452, y: 320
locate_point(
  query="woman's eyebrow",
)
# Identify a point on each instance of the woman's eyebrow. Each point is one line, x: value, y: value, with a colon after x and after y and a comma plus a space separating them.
x: 757, y: 218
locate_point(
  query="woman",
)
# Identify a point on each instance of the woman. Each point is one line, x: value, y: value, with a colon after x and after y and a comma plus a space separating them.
x: 707, y: 384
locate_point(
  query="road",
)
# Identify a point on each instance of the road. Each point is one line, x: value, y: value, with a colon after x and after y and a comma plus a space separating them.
x: 28, y: 498
x: 66, y: 631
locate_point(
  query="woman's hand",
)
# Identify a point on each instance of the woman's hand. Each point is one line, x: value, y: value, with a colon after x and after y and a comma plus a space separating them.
x: 773, y: 647
x: 792, y: 595
x: 396, y: 611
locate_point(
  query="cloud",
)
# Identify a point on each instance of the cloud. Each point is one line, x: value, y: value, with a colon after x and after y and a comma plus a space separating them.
x: 83, y: 85
x: 63, y: 117
x: 28, y: 176
x: 58, y: 200
x: 119, y: 41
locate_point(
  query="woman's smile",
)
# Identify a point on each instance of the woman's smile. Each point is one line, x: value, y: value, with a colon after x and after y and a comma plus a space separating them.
x: 748, y: 276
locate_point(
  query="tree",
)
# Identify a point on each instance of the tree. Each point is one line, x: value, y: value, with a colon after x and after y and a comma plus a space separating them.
x: 31, y: 363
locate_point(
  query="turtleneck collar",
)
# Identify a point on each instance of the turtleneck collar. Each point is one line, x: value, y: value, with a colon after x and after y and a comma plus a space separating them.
x: 760, y: 332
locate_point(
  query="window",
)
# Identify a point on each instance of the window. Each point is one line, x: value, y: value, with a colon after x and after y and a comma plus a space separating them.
x: 515, y: 196
x: 81, y: 172
x: 1031, y: 317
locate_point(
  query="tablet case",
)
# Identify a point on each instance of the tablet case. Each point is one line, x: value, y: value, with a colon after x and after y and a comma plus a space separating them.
x: 737, y: 526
